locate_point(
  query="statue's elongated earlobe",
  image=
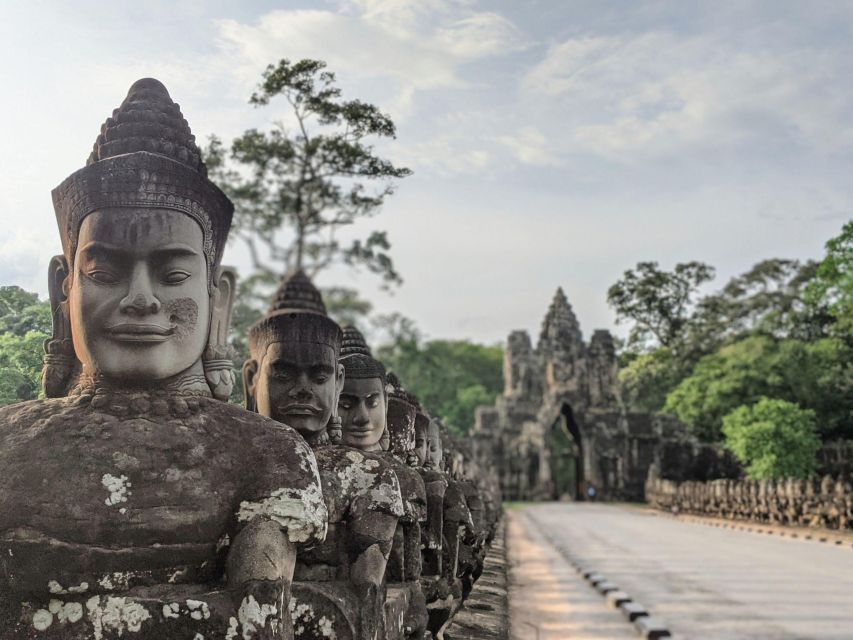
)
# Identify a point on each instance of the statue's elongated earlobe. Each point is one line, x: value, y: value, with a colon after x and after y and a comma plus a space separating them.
x: 218, y: 366
x: 250, y: 370
x: 60, y: 361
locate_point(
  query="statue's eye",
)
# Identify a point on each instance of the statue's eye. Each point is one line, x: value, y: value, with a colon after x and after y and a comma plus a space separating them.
x: 103, y: 276
x: 372, y: 402
x: 320, y: 378
x: 175, y: 276
x: 345, y: 404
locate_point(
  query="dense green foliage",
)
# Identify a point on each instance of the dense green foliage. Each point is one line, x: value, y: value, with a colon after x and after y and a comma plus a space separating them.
x: 297, y: 184
x: 451, y: 377
x: 657, y: 302
x: 812, y: 374
x: 773, y: 439
x: 25, y: 324
x: 783, y: 330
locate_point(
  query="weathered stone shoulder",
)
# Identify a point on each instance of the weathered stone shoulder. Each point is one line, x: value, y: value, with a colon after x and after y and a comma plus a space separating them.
x: 360, y: 480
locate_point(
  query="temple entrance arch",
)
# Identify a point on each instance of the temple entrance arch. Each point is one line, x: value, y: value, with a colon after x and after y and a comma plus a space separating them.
x: 567, y: 453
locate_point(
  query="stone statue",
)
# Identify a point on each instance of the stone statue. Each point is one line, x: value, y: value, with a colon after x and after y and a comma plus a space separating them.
x: 428, y: 451
x: 365, y: 419
x: 294, y: 376
x: 127, y: 497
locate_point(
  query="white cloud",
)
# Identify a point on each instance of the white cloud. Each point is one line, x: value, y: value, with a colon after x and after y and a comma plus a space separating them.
x: 417, y: 46
x: 530, y: 146
x: 634, y: 96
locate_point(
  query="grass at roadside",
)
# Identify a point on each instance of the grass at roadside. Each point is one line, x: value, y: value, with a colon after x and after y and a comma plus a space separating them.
x: 510, y: 506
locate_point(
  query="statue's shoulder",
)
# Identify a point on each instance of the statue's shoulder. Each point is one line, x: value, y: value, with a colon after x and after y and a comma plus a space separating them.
x: 367, y: 479
x: 32, y: 413
x: 262, y: 438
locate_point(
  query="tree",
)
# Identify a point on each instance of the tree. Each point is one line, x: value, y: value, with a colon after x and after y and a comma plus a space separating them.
x: 451, y: 377
x: 21, y: 311
x: 648, y: 378
x: 832, y: 287
x: 20, y: 366
x: 773, y: 439
x: 769, y: 299
x: 308, y: 176
x: 815, y: 375
x: 657, y: 302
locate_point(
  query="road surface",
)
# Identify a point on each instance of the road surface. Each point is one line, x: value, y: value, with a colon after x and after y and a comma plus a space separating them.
x: 705, y: 582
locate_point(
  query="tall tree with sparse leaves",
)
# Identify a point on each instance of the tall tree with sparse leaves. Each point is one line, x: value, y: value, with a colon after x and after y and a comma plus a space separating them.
x: 295, y: 186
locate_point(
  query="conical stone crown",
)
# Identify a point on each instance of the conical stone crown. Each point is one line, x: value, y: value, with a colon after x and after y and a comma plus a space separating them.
x: 297, y: 293
x: 354, y: 343
x: 148, y: 120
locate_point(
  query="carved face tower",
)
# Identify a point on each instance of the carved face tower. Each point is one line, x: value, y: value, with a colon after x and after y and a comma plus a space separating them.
x: 293, y: 375
x: 364, y: 401
x: 138, y: 296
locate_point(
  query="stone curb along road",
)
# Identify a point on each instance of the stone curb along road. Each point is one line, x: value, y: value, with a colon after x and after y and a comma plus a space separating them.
x: 646, y: 625
x: 485, y: 614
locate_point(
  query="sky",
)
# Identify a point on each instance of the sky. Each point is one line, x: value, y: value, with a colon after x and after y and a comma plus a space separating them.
x: 553, y: 142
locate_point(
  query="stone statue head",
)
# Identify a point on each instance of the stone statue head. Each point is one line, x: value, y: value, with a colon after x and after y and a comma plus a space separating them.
x: 434, y: 448
x: 401, y: 420
x: 138, y: 295
x: 364, y: 400
x: 293, y: 374
x: 421, y: 436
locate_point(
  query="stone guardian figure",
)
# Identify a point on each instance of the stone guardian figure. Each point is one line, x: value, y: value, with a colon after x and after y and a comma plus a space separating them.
x: 128, y: 496
x: 294, y: 376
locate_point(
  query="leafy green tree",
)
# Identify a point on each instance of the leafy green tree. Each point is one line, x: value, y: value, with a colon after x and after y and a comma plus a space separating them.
x: 648, y: 378
x: 773, y: 439
x: 769, y: 299
x: 22, y: 311
x: 308, y: 176
x: 451, y: 377
x: 733, y: 376
x: 832, y: 287
x: 657, y: 302
x: 815, y: 375
x: 25, y: 323
x: 20, y: 366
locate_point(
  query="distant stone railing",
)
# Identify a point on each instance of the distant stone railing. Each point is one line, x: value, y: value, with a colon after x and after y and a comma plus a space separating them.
x: 824, y: 503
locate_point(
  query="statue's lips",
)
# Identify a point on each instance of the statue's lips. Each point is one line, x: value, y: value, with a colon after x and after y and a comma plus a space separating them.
x: 360, y: 431
x: 132, y: 332
x: 300, y: 410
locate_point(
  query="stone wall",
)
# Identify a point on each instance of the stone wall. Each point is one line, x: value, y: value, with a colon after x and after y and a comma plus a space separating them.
x: 827, y: 502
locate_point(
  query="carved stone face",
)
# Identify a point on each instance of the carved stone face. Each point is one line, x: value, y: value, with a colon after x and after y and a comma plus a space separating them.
x: 138, y: 294
x: 434, y: 450
x: 362, y: 408
x: 421, y: 444
x: 297, y: 383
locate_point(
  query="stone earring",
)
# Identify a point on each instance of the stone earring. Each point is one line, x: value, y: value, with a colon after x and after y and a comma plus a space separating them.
x: 335, y: 430
x: 60, y: 361
x: 218, y: 366
x: 385, y: 440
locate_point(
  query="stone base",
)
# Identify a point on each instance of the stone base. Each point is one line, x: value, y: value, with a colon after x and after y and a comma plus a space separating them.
x: 176, y: 613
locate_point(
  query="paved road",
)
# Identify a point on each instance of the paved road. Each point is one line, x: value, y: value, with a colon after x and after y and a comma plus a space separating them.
x: 704, y: 582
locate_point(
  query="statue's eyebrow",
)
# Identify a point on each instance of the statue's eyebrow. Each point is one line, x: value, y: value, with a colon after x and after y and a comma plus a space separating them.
x: 165, y: 252
x: 175, y: 250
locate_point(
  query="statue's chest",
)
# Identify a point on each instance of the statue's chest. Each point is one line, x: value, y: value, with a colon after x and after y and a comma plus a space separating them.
x: 117, y: 482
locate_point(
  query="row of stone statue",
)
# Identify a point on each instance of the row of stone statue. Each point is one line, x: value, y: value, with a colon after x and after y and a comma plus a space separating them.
x: 135, y: 501
x: 827, y: 503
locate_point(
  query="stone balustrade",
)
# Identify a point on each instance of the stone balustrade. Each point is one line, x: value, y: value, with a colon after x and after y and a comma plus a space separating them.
x: 825, y: 502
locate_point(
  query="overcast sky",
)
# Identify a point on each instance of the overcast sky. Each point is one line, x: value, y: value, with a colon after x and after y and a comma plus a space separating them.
x: 553, y: 142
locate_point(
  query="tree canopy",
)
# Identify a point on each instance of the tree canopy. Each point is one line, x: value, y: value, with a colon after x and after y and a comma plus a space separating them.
x: 295, y: 186
x: 773, y: 439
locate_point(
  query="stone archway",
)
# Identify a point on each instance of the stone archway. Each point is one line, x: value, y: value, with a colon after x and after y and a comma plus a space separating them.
x: 566, y: 449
